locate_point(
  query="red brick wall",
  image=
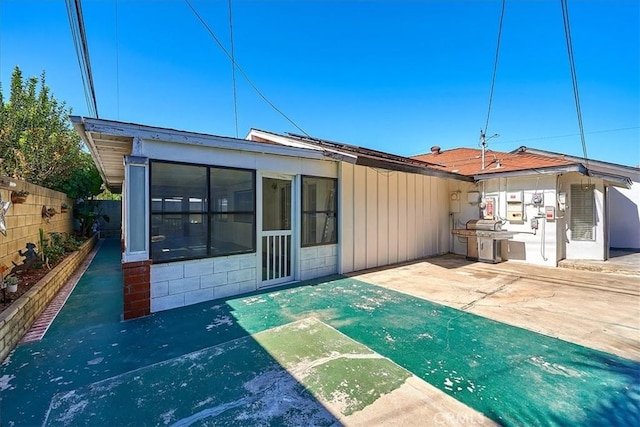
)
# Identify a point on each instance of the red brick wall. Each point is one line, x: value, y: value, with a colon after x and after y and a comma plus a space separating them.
x: 137, y: 289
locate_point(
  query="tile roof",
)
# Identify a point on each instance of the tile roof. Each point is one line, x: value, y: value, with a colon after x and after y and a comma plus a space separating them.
x: 468, y: 161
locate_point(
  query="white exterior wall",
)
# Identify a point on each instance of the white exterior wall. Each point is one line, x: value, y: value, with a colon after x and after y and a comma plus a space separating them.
x: 387, y: 217
x: 318, y: 261
x: 624, y: 217
x: 589, y: 250
x: 180, y: 283
x: 540, y: 248
x: 177, y: 284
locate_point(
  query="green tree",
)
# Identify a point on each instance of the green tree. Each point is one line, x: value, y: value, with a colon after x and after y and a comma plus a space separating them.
x: 37, y: 143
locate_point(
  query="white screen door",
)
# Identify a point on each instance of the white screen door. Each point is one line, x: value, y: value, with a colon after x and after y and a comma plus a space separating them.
x: 276, y: 231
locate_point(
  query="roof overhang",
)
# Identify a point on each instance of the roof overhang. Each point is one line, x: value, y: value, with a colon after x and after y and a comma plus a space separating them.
x: 110, y: 141
x: 610, y: 179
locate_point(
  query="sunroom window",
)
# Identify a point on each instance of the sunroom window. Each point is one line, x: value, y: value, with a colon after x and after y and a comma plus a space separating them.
x: 185, y: 225
x: 319, y: 211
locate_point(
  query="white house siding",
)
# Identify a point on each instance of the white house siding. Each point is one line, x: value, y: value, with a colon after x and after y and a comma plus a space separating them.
x: 589, y: 250
x: 540, y: 248
x: 177, y: 284
x: 318, y: 261
x: 388, y: 217
x: 624, y: 212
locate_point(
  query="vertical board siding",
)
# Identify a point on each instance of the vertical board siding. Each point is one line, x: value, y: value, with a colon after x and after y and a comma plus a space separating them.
x: 420, y: 216
x: 372, y: 218
x: 390, y: 217
x: 412, y: 252
x: 383, y: 218
x: 402, y: 218
x: 359, y: 218
x: 346, y: 218
x: 393, y: 218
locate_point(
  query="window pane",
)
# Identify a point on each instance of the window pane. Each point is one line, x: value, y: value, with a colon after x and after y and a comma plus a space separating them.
x: 232, y: 190
x: 319, y: 204
x: 178, y: 205
x: 178, y: 236
x: 232, y: 233
x: 318, y: 228
x: 178, y: 188
x: 582, y: 212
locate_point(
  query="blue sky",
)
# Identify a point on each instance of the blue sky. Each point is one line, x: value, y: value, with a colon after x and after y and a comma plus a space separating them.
x: 397, y: 76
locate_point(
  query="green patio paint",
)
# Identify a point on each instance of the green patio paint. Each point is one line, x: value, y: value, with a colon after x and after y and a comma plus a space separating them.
x: 512, y: 375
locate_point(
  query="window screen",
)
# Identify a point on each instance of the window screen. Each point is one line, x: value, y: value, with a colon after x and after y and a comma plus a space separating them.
x: 319, y: 211
x: 582, y: 212
x: 196, y: 211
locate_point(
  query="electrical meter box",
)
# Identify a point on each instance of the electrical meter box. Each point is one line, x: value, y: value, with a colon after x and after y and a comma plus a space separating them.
x: 515, y: 207
x: 550, y: 213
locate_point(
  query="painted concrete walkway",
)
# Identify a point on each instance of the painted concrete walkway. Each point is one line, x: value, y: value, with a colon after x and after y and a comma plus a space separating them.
x: 513, y: 376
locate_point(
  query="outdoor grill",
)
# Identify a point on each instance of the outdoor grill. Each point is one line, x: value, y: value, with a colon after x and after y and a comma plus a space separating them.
x: 484, y: 237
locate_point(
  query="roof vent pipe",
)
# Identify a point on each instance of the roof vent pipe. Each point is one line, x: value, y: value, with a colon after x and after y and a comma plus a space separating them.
x: 435, y: 150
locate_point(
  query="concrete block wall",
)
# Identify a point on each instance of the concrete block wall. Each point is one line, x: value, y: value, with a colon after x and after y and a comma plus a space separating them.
x: 318, y: 261
x: 178, y: 284
x: 24, y: 220
x: 16, y: 320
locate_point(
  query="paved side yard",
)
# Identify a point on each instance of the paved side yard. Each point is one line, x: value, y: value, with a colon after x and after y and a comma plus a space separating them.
x: 596, y: 310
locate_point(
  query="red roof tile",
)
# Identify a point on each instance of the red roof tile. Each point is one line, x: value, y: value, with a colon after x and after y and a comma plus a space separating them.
x: 468, y: 161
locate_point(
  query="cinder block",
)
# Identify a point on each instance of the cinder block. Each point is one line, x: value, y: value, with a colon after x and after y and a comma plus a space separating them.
x: 160, y: 273
x: 184, y: 285
x: 248, y: 286
x: 226, y: 290
x: 212, y: 280
x: 225, y: 264
x: 167, y: 303
x: 241, y: 275
x: 331, y: 261
x: 247, y: 261
x: 309, y: 253
x: 317, y: 262
x: 159, y: 289
x: 325, y: 250
x: 198, y: 268
x: 200, y: 295
x: 327, y: 271
x: 309, y: 274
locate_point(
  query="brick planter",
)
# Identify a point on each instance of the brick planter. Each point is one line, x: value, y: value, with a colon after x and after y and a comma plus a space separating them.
x: 16, y: 320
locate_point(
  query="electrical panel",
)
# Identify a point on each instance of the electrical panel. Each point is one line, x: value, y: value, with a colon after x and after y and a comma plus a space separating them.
x: 454, y: 204
x: 514, y: 196
x: 515, y: 207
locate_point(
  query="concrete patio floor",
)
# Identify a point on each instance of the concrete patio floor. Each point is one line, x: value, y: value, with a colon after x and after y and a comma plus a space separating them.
x: 413, y: 345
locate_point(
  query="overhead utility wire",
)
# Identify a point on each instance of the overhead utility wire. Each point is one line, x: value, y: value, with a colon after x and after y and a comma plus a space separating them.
x: 117, y: 67
x: 76, y: 21
x: 233, y: 69
x: 234, y: 63
x: 574, y: 78
x: 495, y: 68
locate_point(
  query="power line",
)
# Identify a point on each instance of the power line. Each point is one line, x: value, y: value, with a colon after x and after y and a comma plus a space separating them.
x: 117, y: 66
x: 538, y: 138
x: 233, y: 69
x: 495, y: 67
x: 76, y: 21
x: 240, y: 70
x: 574, y: 78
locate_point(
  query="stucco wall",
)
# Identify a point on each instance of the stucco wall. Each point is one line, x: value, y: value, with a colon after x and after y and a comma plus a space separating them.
x: 539, y: 248
x: 388, y: 217
x: 624, y: 205
x: 24, y: 220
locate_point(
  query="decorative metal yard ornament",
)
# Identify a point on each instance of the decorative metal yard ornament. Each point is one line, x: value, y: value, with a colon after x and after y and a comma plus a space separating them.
x: 4, y: 208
